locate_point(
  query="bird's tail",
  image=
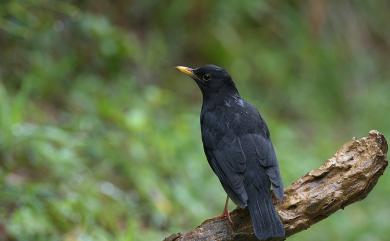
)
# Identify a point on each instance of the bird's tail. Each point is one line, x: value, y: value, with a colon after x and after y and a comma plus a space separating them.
x: 265, y: 220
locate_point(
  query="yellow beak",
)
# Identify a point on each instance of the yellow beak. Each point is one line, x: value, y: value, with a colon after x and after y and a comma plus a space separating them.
x: 185, y: 70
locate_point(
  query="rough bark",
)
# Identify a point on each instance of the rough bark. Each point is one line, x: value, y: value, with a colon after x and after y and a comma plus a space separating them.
x: 345, y: 178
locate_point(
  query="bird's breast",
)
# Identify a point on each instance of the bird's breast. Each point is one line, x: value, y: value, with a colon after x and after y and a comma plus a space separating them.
x: 222, y: 123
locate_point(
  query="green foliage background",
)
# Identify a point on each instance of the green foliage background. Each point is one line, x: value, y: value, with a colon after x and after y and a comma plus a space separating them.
x: 99, y: 135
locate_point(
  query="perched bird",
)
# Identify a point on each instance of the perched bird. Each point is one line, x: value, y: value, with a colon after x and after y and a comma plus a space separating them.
x: 237, y: 144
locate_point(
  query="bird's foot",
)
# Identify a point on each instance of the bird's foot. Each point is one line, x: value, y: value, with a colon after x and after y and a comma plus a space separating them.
x: 226, y: 215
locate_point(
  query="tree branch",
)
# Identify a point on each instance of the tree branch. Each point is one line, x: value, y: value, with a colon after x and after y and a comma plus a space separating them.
x: 345, y: 178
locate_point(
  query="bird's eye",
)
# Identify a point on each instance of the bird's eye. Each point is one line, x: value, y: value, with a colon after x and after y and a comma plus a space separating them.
x: 206, y: 77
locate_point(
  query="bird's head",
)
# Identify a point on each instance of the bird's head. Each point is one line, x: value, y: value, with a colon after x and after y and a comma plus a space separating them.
x: 211, y: 79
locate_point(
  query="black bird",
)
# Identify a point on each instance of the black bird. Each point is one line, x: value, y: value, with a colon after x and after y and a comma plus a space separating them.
x: 238, y: 147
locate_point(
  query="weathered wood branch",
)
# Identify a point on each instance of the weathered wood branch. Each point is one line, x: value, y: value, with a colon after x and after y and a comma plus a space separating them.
x: 345, y: 178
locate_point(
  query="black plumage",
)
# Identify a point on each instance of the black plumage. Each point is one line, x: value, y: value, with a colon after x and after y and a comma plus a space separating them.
x: 238, y: 147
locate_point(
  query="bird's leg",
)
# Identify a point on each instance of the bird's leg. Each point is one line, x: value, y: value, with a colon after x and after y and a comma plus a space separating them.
x: 225, y: 213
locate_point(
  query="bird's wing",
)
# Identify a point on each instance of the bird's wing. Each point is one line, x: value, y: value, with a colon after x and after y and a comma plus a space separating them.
x: 259, y: 148
x: 258, y: 145
x: 228, y: 162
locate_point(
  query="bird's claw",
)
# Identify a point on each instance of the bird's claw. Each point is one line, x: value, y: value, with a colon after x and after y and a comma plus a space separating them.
x: 226, y: 215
